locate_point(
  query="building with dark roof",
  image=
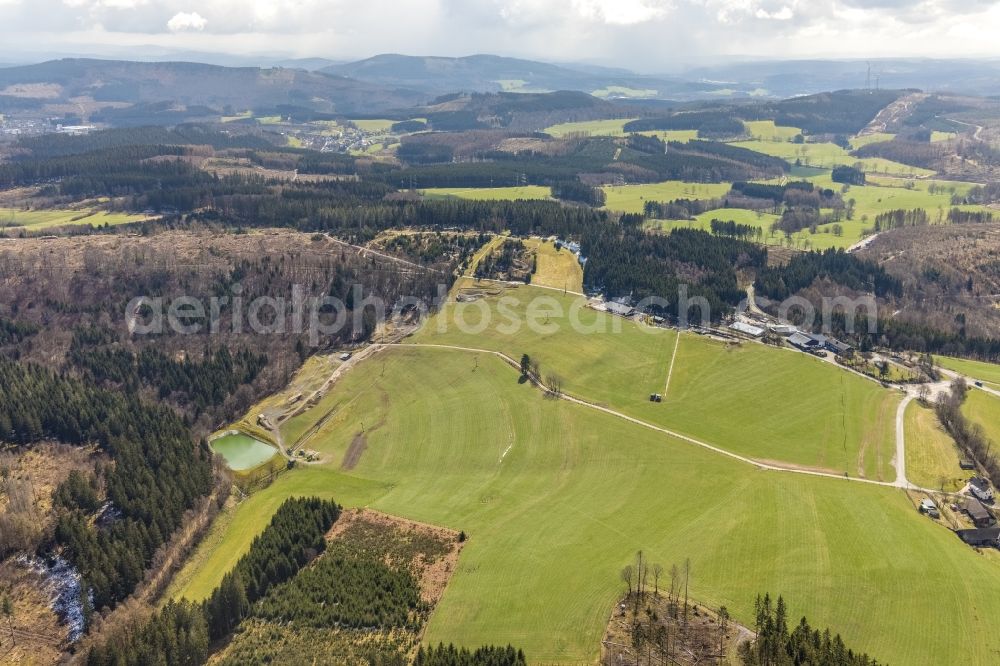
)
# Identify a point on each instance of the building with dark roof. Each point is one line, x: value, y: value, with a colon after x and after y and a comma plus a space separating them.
x: 978, y: 513
x: 620, y: 309
x: 985, y: 536
x: 837, y: 347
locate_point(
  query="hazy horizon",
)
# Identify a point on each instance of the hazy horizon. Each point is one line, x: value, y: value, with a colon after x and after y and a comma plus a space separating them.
x: 646, y: 36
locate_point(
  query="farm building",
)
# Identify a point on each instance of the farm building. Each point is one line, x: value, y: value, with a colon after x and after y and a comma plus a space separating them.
x: 747, y: 329
x: 807, y: 341
x: 837, y: 347
x: 980, y: 489
x: 620, y: 309
x: 986, y: 536
x: 784, y: 330
x: 978, y: 513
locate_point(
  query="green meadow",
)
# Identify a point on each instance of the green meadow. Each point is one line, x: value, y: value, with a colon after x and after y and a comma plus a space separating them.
x: 592, y: 127
x: 490, y: 193
x: 633, y: 198
x: 978, y: 370
x: 12, y: 219
x: 829, y: 155
x: 766, y: 130
x: 851, y: 230
x: 620, y: 363
x: 932, y: 459
x: 557, y: 497
x: 984, y: 408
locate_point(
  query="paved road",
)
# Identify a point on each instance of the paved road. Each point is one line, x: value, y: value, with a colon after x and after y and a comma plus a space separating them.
x: 900, y: 460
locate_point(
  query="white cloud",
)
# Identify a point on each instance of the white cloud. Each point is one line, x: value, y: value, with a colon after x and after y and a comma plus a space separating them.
x: 648, y: 35
x: 185, y: 21
x: 783, y: 14
x: 621, y: 12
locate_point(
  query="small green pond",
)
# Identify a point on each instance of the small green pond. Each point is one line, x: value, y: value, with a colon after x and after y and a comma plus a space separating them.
x: 242, y: 451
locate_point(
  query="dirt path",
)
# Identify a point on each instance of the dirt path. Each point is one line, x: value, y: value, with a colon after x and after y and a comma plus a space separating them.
x: 670, y: 370
x: 690, y: 440
x: 900, y: 459
x: 364, y: 251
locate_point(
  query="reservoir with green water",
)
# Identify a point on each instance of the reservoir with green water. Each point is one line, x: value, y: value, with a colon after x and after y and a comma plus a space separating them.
x: 242, y: 452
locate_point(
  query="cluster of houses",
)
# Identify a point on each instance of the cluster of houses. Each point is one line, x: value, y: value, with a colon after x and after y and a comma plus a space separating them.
x: 807, y: 342
x: 986, y: 532
x: 572, y: 246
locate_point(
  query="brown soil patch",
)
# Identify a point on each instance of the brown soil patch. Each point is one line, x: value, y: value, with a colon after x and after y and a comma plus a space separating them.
x: 354, y: 452
x: 782, y: 464
x: 433, y: 576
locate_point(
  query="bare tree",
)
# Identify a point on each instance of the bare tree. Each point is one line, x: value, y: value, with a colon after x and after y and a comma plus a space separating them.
x: 674, y: 581
x: 554, y: 383
x: 657, y: 572
x: 687, y: 579
x: 628, y: 576
x: 640, y: 570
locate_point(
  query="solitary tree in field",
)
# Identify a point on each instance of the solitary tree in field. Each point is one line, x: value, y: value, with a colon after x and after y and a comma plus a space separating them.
x: 525, y: 364
x: 555, y: 384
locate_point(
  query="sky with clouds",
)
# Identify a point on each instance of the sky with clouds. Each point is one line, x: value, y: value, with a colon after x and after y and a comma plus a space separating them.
x: 646, y: 35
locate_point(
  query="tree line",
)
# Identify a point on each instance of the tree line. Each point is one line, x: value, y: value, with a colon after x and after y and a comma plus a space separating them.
x: 969, y: 436
x: 780, y: 282
x: 158, y: 472
x: 776, y: 644
x: 182, y: 631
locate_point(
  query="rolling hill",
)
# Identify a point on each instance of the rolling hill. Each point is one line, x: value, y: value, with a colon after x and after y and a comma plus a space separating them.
x: 490, y: 73
x: 196, y: 84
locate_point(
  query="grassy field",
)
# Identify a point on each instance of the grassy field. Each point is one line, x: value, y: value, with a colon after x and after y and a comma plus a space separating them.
x: 766, y: 130
x: 560, y: 269
x: 852, y: 231
x: 937, y: 136
x: 984, y: 409
x: 931, y: 455
x: 34, y: 220
x: 979, y: 370
x: 621, y: 369
x: 879, y: 137
x: 592, y: 127
x: 556, y: 498
x: 672, y: 135
x: 236, y: 527
x: 829, y: 155
x: 490, y: 193
x: 374, y: 124
x: 632, y: 198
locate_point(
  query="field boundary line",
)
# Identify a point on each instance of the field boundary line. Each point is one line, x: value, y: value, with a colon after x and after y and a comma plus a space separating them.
x: 673, y: 359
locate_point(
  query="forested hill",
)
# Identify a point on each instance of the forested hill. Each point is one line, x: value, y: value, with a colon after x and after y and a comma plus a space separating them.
x: 157, y: 475
x: 199, y: 84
